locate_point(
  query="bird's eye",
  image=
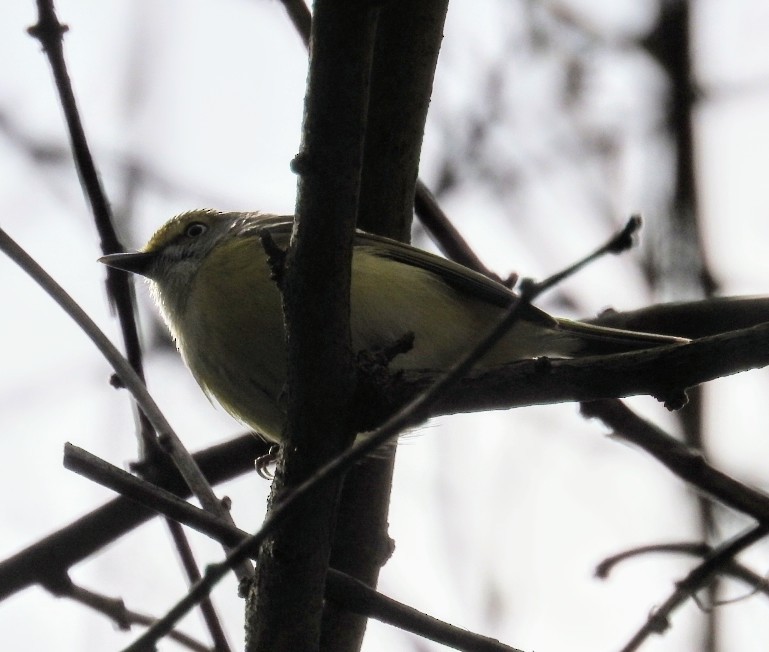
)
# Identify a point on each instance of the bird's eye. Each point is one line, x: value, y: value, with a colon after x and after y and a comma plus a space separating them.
x: 195, y: 229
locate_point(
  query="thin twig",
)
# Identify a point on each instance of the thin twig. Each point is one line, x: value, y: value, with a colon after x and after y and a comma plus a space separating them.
x: 444, y: 233
x: 181, y: 457
x: 300, y: 17
x: 49, y: 31
x: 124, y: 618
x: 49, y: 558
x: 733, y: 568
x: 658, y: 621
x: 619, y: 242
x: 343, y: 589
x: 687, y: 464
x: 210, y: 617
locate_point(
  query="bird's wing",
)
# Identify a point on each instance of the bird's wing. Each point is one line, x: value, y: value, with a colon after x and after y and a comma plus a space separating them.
x: 456, y: 276
x: 467, y: 281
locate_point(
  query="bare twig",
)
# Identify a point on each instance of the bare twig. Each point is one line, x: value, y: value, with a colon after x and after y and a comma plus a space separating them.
x: 210, y: 617
x: 347, y: 592
x: 51, y: 557
x: 300, y: 17
x: 732, y: 568
x: 684, y: 462
x: 658, y: 620
x: 444, y: 233
x: 168, y: 438
x: 124, y: 618
x: 49, y: 31
x: 619, y: 242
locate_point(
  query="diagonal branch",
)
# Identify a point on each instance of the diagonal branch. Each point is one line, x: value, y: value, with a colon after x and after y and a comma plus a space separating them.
x: 345, y: 591
x: 124, y: 618
x: 683, y: 461
x: 732, y: 568
x: 661, y: 372
x: 49, y: 559
x: 658, y: 621
x: 166, y: 435
x: 49, y: 31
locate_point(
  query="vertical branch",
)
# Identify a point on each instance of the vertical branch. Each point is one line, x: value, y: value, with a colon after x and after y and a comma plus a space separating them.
x: 685, y: 262
x: 408, y: 39
x: 407, y: 45
x: 285, y: 602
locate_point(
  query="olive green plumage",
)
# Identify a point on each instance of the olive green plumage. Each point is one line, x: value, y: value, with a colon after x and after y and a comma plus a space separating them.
x: 210, y: 277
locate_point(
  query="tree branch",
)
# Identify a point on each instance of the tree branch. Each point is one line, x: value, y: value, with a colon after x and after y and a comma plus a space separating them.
x: 48, y: 561
x: 285, y: 604
x: 680, y: 459
x: 732, y: 568
x: 658, y: 620
x: 50, y: 33
x: 347, y: 592
x: 660, y: 372
x: 408, y: 39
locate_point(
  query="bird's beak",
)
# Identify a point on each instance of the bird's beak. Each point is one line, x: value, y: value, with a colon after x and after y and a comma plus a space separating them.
x: 139, y: 262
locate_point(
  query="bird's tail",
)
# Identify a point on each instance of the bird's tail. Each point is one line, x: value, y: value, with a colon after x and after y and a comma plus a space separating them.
x: 601, y: 340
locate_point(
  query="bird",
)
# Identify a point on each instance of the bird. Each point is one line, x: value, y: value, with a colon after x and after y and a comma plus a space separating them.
x: 211, y: 279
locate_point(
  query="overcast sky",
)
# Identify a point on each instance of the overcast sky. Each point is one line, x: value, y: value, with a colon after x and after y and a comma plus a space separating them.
x: 499, y: 520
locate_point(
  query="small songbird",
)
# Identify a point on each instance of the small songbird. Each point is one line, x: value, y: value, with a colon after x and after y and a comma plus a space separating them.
x: 211, y: 280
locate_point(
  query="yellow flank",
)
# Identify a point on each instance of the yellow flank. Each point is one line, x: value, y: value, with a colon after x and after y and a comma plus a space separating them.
x: 232, y: 337
x: 390, y: 299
